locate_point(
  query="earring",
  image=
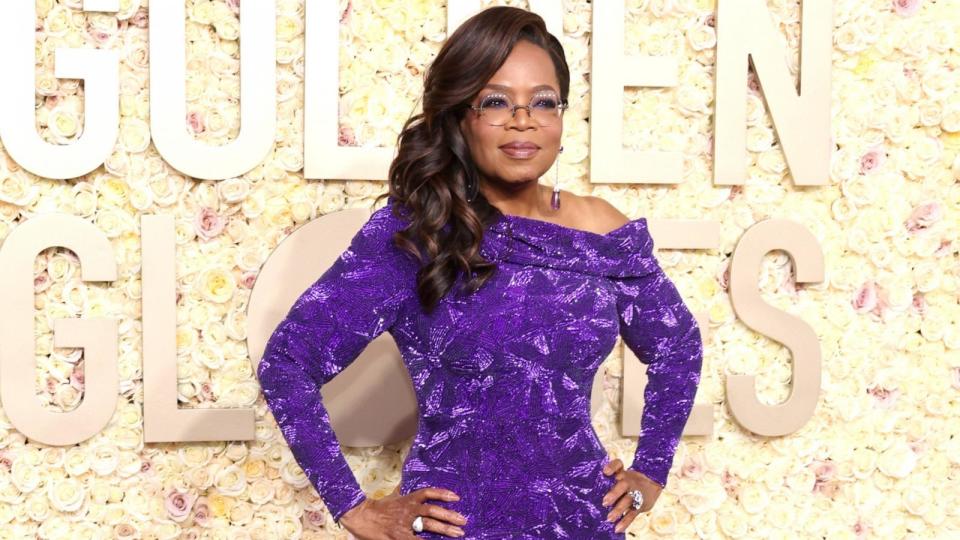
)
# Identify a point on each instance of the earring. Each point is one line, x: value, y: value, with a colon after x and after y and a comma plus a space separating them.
x: 555, y: 199
x: 471, y: 188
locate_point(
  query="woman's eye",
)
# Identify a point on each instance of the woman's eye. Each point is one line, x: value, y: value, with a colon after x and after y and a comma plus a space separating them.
x: 493, y: 102
x: 546, y: 103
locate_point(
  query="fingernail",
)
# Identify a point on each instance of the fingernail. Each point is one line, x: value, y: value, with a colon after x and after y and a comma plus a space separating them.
x: 458, y: 531
x: 454, y: 496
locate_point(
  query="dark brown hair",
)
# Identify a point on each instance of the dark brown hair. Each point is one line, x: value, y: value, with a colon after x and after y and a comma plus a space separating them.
x: 433, y: 173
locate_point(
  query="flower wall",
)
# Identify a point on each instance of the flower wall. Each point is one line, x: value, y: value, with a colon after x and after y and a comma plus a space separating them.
x: 879, y: 459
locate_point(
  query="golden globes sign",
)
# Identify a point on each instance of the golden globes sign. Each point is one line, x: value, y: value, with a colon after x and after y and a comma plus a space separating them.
x: 378, y: 399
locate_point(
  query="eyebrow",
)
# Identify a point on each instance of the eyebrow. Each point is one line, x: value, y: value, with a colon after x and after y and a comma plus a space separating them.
x: 507, y: 88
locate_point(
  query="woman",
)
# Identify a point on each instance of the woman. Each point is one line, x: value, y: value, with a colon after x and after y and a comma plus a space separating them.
x: 503, y: 362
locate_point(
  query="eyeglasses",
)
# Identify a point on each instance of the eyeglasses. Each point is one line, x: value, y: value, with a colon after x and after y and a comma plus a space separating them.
x: 545, y: 107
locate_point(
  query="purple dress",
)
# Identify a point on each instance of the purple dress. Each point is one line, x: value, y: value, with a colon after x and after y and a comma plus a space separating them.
x: 503, y: 377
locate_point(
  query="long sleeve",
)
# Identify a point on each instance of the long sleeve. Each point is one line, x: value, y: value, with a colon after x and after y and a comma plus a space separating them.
x: 329, y: 325
x: 662, y: 332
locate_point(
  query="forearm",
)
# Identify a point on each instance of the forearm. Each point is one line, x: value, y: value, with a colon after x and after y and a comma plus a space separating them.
x: 295, y: 401
x: 672, y: 382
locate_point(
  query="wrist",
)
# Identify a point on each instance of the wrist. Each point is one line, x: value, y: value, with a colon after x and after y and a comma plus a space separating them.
x: 347, y: 514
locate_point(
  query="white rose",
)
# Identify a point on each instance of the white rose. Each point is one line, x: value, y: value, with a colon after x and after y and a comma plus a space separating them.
x: 37, y: 507
x: 24, y: 475
x: 293, y: 475
x: 66, y: 397
x: 134, y: 135
x: 113, y: 221
x: 241, y: 393
x: 849, y: 38
x: 66, y: 495
x: 702, y: 36
x: 290, y: 526
x: 261, y: 491
x: 18, y: 189
x: 199, y: 477
x: 290, y: 158
x: 732, y: 524
x: 898, y: 460
x: 228, y: 29
x: 47, y: 84
x: 104, y: 459
x: 195, y: 456
x: 951, y: 117
x: 208, y: 357
x: 230, y: 481
x: 140, y: 199
x: 216, y: 285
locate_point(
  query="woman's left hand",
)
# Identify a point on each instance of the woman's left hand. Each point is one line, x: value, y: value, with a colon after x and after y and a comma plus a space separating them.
x: 628, y: 480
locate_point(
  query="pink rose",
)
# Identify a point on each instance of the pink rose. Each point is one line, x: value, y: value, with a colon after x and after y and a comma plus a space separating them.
x: 906, y: 8
x: 924, y: 216
x: 101, y: 38
x: 693, y: 467
x: 195, y: 121
x: 870, y: 161
x: 248, y: 279
x: 41, y: 282
x: 860, y: 529
x: 141, y: 18
x: 730, y: 483
x: 885, y: 398
x: 944, y: 248
x: 76, y: 377
x: 201, y: 512
x: 208, y: 223
x: 723, y: 276
x: 178, y: 505
x: 315, y: 518
x: 865, y: 300
x: 122, y: 531
x: 234, y: 6
x: 206, y: 392
x: 753, y: 81
x: 347, y: 137
x: 825, y: 473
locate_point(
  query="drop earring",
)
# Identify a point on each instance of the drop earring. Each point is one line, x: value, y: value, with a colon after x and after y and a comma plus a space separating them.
x: 555, y: 199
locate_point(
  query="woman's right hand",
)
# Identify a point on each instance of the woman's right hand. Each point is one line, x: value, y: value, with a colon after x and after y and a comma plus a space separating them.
x: 391, y: 518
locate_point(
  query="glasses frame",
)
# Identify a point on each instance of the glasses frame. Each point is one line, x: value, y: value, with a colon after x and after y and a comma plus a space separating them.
x: 561, y: 106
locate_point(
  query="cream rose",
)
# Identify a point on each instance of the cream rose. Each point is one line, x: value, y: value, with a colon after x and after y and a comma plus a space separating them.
x: 67, y: 494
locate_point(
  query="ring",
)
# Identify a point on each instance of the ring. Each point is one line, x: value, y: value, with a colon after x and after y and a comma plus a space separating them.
x: 637, y: 499
x: 418, y: 524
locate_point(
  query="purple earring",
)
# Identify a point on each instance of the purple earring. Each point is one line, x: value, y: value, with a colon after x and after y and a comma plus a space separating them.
x: 555, y: 199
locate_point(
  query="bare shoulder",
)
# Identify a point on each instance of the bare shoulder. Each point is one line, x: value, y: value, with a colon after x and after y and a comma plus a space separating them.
x: 605, y: 216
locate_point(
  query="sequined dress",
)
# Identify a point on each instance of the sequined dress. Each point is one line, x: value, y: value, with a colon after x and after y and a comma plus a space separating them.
x: 503, y: 376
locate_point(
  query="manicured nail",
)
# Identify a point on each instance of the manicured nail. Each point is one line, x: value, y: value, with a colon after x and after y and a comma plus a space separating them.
x: 453, y: 496
x: 458, y: 531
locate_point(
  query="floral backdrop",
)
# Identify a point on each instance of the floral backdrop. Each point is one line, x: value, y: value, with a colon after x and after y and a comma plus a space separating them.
x: 881, y: 456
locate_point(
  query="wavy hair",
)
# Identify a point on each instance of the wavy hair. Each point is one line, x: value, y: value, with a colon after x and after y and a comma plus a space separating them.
x: 433, y: 174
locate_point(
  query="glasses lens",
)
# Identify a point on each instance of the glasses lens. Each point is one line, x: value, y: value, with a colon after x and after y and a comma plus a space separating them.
x: 496, y: 109
x: 544, y: 108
